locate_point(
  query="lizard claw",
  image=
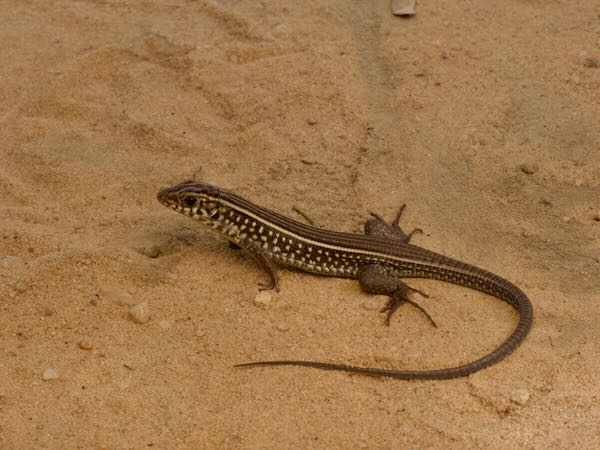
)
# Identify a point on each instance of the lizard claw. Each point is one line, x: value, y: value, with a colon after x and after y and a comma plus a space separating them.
x: 397, y: 299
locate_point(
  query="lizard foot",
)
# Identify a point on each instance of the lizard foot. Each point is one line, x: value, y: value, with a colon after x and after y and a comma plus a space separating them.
x: 378, y: 226
x: 398, y: 297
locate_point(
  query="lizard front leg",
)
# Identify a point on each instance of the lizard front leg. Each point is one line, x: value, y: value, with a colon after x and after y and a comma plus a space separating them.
x: 267, y: 265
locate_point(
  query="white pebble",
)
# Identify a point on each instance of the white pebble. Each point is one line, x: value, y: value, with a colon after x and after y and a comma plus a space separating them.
x: 282, y: 326
x: 200, y: 331
x: 11, y: 262
x: 140, y: 313
x: 164, y: 324
x: 520, y: 396
x: 263, y: 298
x: 49, y: 374
x: 370, y: 304
x: 117, y: 295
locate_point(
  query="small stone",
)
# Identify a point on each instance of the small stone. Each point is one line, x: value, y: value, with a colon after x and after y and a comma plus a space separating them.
x: 591, y: 63
x: 263, y: 298
x: 311, y: 121
x: 164, y: 324
x: 86, y: 345
x: 117, y: 295
x: 403, y: 7
x: 12, y: 262
x: 596, y: 216
x: 574, y: 78
x: 529, y: 168
x: 21, y: 286
x: 282, y: 326
x: 566, y: 219
x: 370, y: 304
x: 140, y: 313
x: 49, y: 374
x: 520, y: 396
x: 48, y: 311
x: 200, y: 331
x: 150, y: 250
x: 578, y: 182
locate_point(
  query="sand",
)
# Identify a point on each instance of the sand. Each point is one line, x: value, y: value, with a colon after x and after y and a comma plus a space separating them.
x: 482, y: 116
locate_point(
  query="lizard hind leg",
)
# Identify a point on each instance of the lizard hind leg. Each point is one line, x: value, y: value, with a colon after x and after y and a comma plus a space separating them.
x: 377, y: 226
x: 374, y: 279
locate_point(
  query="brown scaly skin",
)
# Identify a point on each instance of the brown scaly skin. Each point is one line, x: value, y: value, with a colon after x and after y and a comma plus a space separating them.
x: 379, y: 260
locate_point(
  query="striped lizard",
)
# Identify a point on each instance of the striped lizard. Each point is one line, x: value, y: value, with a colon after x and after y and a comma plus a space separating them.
x: 379, y: 259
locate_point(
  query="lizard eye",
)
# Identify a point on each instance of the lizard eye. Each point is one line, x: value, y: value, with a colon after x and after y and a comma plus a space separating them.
x: 190, y: 201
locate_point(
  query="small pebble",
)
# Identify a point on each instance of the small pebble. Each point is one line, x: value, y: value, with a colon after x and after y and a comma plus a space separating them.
x: 520, y: 396
x: 282, y: 326
x: 49, y: 374
x: 164, y: 324
x: 11, y: 262
x: 150, y: 250
x: 117, y: 295
x: 591, y: 63
x: 529, y: 168
x: 596, y: 216
x: 86, y: 345
x: 200, y: 331
x: 566, y: 219
x: 403, y: 7
x: 48, y: 311
x: 578, y: 182
x: 21, y: 286
x: 263, y: 298
x: 312, y: 121
x: 370, y: 304
x: 140, y: 313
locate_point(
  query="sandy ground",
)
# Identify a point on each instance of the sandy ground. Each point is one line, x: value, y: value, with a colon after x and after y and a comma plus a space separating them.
x: 332, y: 108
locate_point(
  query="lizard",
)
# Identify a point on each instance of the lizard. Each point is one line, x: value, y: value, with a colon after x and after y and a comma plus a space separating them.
x: 378, y: 259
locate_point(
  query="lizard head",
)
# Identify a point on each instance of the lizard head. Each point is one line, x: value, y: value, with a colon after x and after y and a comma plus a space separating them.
x: 193, y: 199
